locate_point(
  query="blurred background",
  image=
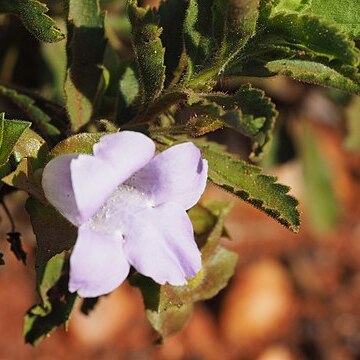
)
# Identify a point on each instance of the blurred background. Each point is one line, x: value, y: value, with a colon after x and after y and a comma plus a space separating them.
x: 292, y: 297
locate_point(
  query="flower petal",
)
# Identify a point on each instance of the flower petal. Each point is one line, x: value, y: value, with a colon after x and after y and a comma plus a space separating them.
x: 129, y: 150
x: 177, y: 175
x: 77, y: 185
x: 159, y: 243
x: 97, y: 263
x: 56, y: 182
x: 116, y: 157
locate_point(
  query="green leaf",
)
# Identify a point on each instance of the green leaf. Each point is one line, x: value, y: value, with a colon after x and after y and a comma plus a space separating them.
x: 10, y: 133
x: 30, y: 154
x: 53, y: 232
x: 33, y: 15
x: 345, y: 13
x: 86, y: 75
x: 169, y: 307
x: 322, y: 205
x: 149, y: 52
x: 55, y: 57
x: 234, y: 24
x: 248, y: 111
x: 76, y: 144
x: 172, y: 16
x: 40, y: 119
x: 23, y: 178
x: 57, y: 303
x: 302, y: 37
x: 31, y: 146
x: 314, y: 73
x: 215, y: 33
x: 248, y: 182
x: 129, y: 91
x: 198, y: 35
x: 166, y: 318
x: 265, y: 8
x: 311, y: 34
x: 129, y: 86
x: 290, y: 5
x: 202, y: 124
x: 208, y: 220
x: 299, y: 44
x: 51, y: 275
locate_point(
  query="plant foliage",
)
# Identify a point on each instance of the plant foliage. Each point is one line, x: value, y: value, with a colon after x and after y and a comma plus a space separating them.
x: 166, y: 79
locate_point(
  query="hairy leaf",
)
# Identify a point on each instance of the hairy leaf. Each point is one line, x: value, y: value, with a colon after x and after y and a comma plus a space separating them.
x: 149, y: 52
x: 53, y: 232
x: 32, y: 146
x: 172, y: 16
x: 40, y: 119
x: 10, y: 133
x: 215, y: 33
x: 290, y: 5
x: 33, y: 15
x: 86, y: 76
x: 198, y: 36
x: 234, y: 24
x: 310, y: 33
x: 202, y: 124
x: 56, y: 301
x: 345, y: 13
x: 55, y: 57
x: 248, y: 182
x: 248, y: 111
x: 23, y: 178
x: 76, y: 144
x: 301, y: 44
x: 30, y: 154
x: 315, y: 73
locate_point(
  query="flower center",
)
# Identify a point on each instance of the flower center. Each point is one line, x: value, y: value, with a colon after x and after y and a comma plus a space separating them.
x: 119, y: 210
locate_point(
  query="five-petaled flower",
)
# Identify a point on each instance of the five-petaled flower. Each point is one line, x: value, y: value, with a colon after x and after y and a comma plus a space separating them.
x: 130, y: 209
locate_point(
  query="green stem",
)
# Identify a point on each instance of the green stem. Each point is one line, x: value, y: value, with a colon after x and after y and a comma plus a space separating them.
x: 160, y: 105
x: 203, y: 78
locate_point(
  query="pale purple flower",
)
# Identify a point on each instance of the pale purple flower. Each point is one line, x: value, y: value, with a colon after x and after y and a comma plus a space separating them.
x: 130, y: 209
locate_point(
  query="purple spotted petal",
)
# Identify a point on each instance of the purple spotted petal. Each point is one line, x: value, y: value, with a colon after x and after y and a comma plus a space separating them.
x: 97, y: 263
x: 159, y: 243
x: 92, y: 179
x: 56, y: 182
x: 178, y: 175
